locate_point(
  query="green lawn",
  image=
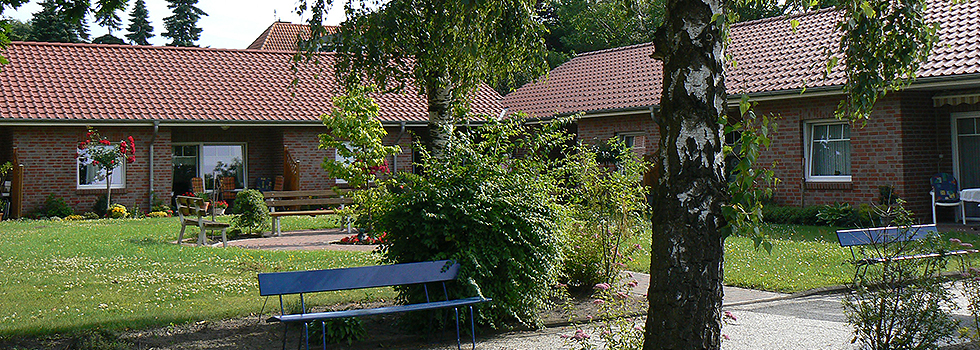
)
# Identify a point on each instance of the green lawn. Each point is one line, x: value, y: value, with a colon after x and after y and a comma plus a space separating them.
x: 803, y: 257
x: 114, y: 274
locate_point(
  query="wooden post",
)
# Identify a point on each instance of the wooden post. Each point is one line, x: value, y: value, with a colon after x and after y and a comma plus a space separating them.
x: 17, y: 188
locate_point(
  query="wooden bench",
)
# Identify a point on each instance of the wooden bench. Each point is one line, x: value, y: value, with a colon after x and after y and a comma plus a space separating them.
x: 192, y: 211
x: 302, y: 282
x: 280, y: 203
x: 889, y: 235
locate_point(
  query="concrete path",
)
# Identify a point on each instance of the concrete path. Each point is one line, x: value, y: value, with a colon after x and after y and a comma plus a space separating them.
x: 765, y: 320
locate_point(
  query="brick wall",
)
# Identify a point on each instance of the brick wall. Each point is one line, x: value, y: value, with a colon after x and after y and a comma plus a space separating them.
x: 303, y: 146
x: 591, y: 130
x: 48, y: 155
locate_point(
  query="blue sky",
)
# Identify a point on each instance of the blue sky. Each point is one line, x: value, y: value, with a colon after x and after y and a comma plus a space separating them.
x: 231, y: 24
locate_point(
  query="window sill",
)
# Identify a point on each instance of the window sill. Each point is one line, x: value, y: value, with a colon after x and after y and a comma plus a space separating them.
x: 91, y: 191
x: 837, y: 185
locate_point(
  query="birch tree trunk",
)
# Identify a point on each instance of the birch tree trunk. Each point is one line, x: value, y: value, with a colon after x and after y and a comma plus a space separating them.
x: 687, y: 254
x: 440, y: 100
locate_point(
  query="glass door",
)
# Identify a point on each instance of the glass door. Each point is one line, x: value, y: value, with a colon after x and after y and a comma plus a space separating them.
x: 967, y: 141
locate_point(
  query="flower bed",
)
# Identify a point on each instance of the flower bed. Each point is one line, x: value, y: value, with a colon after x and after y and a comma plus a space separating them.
x: 352, y: 239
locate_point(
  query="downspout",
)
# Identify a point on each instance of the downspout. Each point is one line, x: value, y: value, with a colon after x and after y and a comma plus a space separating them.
x: 394, y: 158
x: 153, y: 139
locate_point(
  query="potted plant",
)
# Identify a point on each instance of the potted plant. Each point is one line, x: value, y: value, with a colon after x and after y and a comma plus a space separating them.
x: 219, y: 207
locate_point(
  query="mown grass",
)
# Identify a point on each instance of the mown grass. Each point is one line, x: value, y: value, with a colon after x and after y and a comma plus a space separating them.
x: 119, y: 274
x: 802, y: 258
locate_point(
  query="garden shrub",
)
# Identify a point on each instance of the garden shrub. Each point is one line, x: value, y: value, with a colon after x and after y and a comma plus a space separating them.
x: 252, y: 215
x: 74, y: 217
x: 792, y: 215
x: 489, y: 204
x: 55, y: 206
x: 606, y: 210
x: 901, y: 304
x: 90, y: 215
x: 337, y: 330
x: 158, y: 214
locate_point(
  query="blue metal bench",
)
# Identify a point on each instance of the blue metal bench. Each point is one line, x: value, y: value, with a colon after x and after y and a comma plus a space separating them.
x: 888, y: 235
x: 303, y: 282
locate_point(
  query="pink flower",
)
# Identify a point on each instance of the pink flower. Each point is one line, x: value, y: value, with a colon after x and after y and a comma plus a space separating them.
x: 632, y: 283
x: 955, y: 241
x: 602, y: 286
x: 580, y: 335
x: 598, y: 302
x: 725, y: 336
x: 968, y: 245
x: 621, y: 295
x: 606, y: 332
x: 730, y: 315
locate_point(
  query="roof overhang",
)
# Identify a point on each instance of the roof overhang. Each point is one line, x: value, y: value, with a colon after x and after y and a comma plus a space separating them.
x: 179, y: 123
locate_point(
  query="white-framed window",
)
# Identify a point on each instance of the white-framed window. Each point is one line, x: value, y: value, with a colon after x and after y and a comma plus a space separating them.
x: 635, y: 140
x: 207, y: 161
x: 828, y: 151
x: 92, y: 177
x: 341, y: 159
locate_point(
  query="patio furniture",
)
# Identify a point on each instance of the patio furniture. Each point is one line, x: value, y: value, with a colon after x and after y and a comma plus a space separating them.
x: 878, y: 236
x: 424, y: 273
x: 192, y: 211
x: 292, y: 203
x: 197, y: 185
x: 228, y: 191
x: 946, y: 193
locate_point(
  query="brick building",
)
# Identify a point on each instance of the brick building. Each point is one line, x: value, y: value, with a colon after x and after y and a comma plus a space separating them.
x: 194, y: 112
x: 933, y: 126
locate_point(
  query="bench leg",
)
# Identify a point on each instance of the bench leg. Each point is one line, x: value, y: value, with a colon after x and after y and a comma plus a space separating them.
x: 278, y: 229
x: 306, y: 335
x: 459, y: 346
x: 285, y: 329
x: 473, y: 327
x: 224, y: 238
x: 202, y: 237
x: 181, y: 236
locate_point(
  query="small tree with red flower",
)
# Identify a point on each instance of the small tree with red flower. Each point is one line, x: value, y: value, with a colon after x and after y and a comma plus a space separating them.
x: 105, y: 156
x: 356, y: 135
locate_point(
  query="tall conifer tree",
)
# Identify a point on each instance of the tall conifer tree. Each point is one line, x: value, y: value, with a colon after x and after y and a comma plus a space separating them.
x: 140, y: 30
x: 52, y: 25
x: 182, y: 25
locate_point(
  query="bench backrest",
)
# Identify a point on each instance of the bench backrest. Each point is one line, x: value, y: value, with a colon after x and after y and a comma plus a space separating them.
x: 296, y: 198
x: 879, y: 235
x: 190, y: 206
x: 296, y: 282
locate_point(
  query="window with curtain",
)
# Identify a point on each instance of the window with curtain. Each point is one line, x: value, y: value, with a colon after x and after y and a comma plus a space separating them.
x: 828, y: 151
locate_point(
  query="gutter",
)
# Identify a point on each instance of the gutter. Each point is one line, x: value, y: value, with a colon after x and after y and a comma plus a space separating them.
x: 153, y: 139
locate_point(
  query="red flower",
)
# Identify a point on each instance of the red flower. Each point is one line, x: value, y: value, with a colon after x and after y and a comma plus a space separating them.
x: 105, y: 142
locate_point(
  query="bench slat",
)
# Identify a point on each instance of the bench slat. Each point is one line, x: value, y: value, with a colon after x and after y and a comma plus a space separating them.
x: 378, y: 311
x: 291, y: 194
x: 301, y: 213
x: 295, y: 282
x: 307, y: 201
x: 876, y: 235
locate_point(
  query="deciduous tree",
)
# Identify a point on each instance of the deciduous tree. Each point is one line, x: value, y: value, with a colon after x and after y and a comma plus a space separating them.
x: 445, y: 48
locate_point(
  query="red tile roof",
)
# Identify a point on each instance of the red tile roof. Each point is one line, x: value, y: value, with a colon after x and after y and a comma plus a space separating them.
x: 769, y: 58
x: 282, y: 36
x: 86, y: 82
